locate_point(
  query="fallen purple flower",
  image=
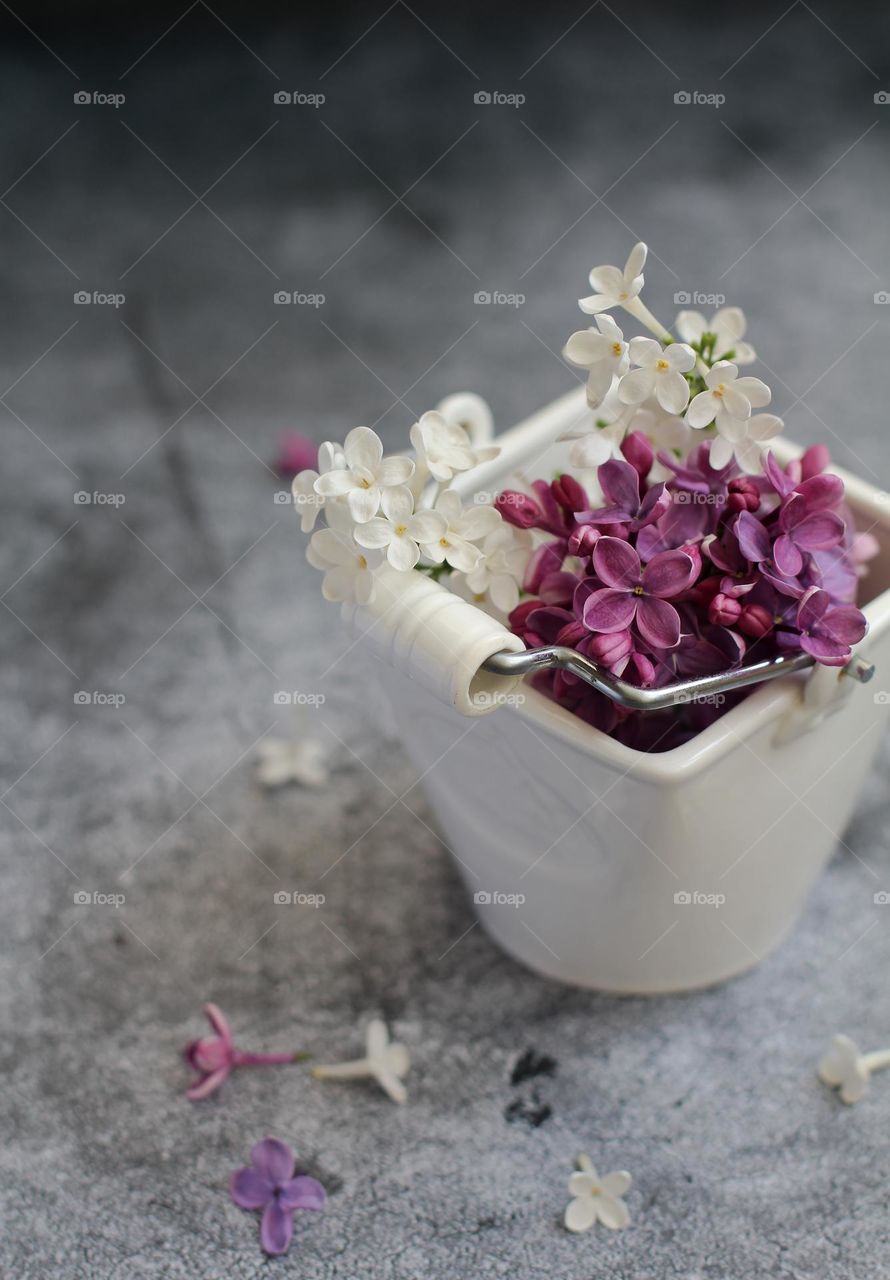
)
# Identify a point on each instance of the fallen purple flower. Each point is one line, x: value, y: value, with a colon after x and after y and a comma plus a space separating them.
x: 268, y: 1183
x: 216, y: 1056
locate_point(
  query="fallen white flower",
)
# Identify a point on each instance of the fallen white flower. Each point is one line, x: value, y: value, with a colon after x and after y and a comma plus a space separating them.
x: 848, y: 1070
x: 385, y: 1061
x: 282, y: 760
x: 597, y: 1199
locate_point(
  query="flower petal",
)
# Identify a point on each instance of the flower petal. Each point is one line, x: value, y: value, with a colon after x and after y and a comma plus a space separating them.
x: 397, y: 504
x: 580, y: 1214
x: 634, y: 387
x: 752, y: 537
x: 363, y: 448
x: 812, y: 608
x: 636, y: 260
x: 395, y: 470
x: 375, y: 534
x: 616, y: 563
x: 364, y: 503
x: 218, y: 1021
x: 250, y: 1189
x: 845, y: 623
x: 335, y: 483
x: 658, y: 622
x: 274, y: 1160
x: 620, y: 483
x: 702, y: 410
x: 403, y: 553
x: 819, y: 530
x: 391, y: 1084
x: 586, y: 347
x: 690, y: 325
x: 721, y: 453
x: 757, y: 393
x: 839, y: 1061
x: 672, y: 391
x: 668, y: 574
x: 611, y: 1211
x: 276, y: 1229
x: 302, y: 1193
x: 583, y: 1183
x: 616, y: 1184
x: 786, y: 556
x: 608, y: 610
x: 608, y: 280
x: 209, y: 1084
x: 427, y: 526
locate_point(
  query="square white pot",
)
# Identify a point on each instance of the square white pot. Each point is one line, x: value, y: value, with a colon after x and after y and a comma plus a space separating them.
x: 631, y: 872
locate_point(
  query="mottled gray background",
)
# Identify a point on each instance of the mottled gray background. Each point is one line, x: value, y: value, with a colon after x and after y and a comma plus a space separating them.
x: 398, y: 199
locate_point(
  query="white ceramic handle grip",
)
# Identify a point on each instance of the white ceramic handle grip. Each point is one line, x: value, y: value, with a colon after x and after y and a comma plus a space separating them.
x: 441, y: 641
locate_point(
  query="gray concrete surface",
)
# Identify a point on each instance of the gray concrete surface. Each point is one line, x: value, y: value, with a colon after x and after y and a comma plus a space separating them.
x: 193, y: 601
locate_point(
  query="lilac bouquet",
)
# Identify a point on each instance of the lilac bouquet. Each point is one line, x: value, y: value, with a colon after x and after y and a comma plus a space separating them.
x: 689, y: 576
x: 676, y: 546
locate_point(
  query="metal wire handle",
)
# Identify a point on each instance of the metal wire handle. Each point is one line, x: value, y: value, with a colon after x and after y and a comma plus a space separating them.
x: 701, y: 689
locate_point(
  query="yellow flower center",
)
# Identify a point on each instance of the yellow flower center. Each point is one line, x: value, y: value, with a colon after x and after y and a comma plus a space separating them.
x: 719, y: 390
x: 616, y: 348
x: 364, y: 484
x: 401, y: 530
x: 443, y: 542
x: 362, y: 562
x: 661, y: 365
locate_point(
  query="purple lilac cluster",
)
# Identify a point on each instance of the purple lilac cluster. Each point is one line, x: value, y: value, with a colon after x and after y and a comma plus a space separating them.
x: 686, y: 577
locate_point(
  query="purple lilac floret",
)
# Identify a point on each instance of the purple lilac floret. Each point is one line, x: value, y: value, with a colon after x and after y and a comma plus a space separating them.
x: 268, y: 1183
x: 215, y: 1057
x: 696, y: 575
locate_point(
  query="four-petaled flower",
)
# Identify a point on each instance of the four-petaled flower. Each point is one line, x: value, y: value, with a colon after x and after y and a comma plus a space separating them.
x: 215, y: 1057
x: 807, y: 524
x: 727, y: 399
x: 464, y: 526
x: 268, y: 1183
x: 603, y: 354
x: 307, y: 500
x: 620, y: 483
x: 615, y: 288
x: 348, y: 568
x: 660, y: 374
x: 366, y: 475
x: 728, y: 326
x: 845, y: 1068
x: 302, y: 760
x: 385, y: 1061
x: 633, y: 593
x: 401, y: 530
x: 746, y: 438
x: 596, y: 1199
x: 505, y: 555
x: 445, y: 447
x: 827, y: 631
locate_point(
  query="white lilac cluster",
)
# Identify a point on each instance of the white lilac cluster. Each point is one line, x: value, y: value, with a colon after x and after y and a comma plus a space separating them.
x: 403, y: 511
x: 663, y: 386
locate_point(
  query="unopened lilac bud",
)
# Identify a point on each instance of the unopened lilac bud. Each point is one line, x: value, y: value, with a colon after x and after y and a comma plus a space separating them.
x: 724, y: 610
x: 690, y: 549
x: 755, y: 620
x: 572, y: 634
x: 518, y: 509
x: 582, y: 540
x: 703, y: 592
x: 569, y: 494
x: 609, y: 649
x: 742, y: 495
x: 638, y: 452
